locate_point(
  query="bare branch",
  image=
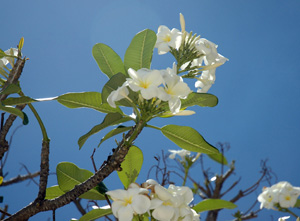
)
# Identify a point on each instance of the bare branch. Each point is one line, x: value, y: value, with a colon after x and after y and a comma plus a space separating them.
x: 20, y: 178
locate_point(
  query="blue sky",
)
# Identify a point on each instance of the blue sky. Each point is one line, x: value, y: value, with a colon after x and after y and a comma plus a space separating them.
x: 258, y: 89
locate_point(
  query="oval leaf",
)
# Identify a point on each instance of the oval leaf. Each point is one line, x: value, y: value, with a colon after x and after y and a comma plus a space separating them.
x: 188, y: 138
x: 53, y: 192
x: 18, y: 100
x: 131, y: 166
x: 69, y: 175
x: 95, y: 214
x: 139, y: 53
x: 15, y: 111
x: 86, y: 99
x: 213, y: 204
x: 200, y: 99
x: 108, y: 60
x: 11, y: 89
x: 109, y: 120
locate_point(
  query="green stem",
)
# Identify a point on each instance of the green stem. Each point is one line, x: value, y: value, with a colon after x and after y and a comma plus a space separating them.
x: 35, y: 113
x: 154, y: 127
x: 290, y: 212
x: 186, y: 171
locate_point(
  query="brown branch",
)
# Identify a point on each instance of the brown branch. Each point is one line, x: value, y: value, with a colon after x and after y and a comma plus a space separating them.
x: 13, y: 78
x: 79, y: 207
x: 4, y: 212
x: 105, y: 170
x: 44, y: 170
x: 20, y: 179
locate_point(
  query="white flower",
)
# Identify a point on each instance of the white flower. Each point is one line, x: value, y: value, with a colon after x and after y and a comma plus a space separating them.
x: 288, y: 194
x: 174, y: 89
x: 5, y: 60
x: 146, y: 81
x: 182, y: 153
x: 283, y: 193
x: 267, y: 198
x: 209, y: 49
x: 283, y: 218
x: 129, y: 202
x: 164, y: 205
x: 206, y: 80
x: 167, y: 39
x: 120, y: 93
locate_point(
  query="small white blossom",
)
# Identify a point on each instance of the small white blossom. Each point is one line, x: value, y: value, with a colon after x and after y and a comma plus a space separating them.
x: 126, y: 203
x: 120, y: 93
x: 167, y: 38
x: 5, y: 60
x: 174, y: 89
x: 146, y: 81
x: 182, y: 153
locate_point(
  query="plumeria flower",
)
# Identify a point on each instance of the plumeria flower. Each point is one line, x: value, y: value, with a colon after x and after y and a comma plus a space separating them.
x: 174, y: 89
x: 146, y: 81
x: 5, y: 60
x: 182, y: 153
x: 164, y: 204
x: 126, y: 203
x: 167, y: 38
x: 205, y: 81
x: 120, y: 93
x: 267, y: 198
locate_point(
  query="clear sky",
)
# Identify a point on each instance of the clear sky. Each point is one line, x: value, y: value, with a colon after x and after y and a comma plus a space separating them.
x: 258, y: 89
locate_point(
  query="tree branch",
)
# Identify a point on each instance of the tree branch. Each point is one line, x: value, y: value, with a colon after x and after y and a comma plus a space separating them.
x: 105, y: 170
x: 20, y: 179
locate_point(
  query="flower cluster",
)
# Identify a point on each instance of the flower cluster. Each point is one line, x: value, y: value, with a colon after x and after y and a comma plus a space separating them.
x: 165, y: 85
x: 153, y: 200
x: 207, y: 57
x: 282, y: 194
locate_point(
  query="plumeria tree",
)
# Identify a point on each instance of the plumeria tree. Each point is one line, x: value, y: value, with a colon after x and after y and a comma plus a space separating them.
x: 146, y: 93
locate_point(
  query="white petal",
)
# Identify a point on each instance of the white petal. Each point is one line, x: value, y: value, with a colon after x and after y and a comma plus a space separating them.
x: 164, y: 213
x: 125, y: 213
x: 162, y: 193
x: 140, y: 204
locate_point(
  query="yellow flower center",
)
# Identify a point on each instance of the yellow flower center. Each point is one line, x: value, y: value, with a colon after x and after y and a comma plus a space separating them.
x: 127, y: 201
x: 144, y: 84
x: 167, y: 203
x: 167, y: 38
x: 288, y: 198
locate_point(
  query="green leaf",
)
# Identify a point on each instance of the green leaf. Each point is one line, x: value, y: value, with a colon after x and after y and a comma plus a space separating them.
x: 139, y: 53
x: 2, y: 53
x: 297, y: 203
x: 69, y: 175
x: 131, y: 166
x: 219, y: 157
x: 1, y: 199
x: 200, y: 99
x: 88, y: 100
x: 95, y: 214
x: 53, y: 192
x: 113, y: 84
x: 118, y: 130
x: 213, y: 204
x: 109, y: 120
x: 21, y: 43
x: 101, y: 188
x: 188, y: 138
x: 15, y: 111
x: 11, y: 89
x: 11, y: 101
x: 108, y: 60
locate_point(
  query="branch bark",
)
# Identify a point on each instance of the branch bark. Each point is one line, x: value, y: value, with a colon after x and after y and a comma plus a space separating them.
x: 105, y: 170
